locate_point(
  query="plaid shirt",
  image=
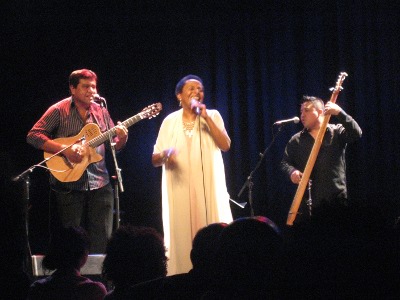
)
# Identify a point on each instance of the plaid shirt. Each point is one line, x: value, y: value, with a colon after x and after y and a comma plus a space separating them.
x: 62, y: 120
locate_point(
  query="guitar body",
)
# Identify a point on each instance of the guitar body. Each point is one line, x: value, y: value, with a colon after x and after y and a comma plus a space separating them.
x: 65, y: 171
x: 91, y: 137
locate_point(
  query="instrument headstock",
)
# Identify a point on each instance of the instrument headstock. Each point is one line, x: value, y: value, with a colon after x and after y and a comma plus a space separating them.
x: 338, y: 87
x: 151, y: 111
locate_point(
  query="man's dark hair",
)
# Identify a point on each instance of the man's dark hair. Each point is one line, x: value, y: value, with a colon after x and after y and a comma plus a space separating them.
x: 317, y: 102
x: 81, y: 74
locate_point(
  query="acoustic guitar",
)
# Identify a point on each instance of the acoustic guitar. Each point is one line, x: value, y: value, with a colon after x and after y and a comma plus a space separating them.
x: 90, y: 137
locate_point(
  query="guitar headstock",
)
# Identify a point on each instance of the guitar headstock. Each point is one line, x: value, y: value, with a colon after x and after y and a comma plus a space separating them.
x: 339, y: 82
x: 335, y: 91
x: 151, y: 111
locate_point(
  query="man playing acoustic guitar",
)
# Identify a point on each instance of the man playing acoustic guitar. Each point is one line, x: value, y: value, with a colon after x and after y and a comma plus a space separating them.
x: 86, y: 199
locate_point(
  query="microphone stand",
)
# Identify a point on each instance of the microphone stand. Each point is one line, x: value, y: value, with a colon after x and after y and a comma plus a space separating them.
x: 118, y: 176
x: 24, y: 176
x: 116, y: 197
x: 309, y: 200
x: 249, y: 183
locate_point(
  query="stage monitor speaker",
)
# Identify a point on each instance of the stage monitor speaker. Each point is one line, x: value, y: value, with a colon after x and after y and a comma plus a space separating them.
x: 93, y: 265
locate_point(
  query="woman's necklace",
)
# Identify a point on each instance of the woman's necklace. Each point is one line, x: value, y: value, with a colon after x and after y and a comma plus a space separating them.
x: 188, y: 128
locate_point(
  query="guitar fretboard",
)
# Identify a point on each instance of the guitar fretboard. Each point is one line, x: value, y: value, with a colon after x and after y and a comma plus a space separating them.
x: 100, y: 139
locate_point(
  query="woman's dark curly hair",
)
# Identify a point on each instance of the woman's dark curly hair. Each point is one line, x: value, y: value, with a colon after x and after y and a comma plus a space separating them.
x: 133, y: 255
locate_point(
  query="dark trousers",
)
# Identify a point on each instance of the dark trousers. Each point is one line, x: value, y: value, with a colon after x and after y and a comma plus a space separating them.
x: 92, y: 210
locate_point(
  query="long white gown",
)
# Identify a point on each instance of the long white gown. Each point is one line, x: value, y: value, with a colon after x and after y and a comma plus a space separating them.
x: 194, y: 194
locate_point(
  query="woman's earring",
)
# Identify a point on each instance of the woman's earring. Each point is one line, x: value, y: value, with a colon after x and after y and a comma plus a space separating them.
x: 180, y: 102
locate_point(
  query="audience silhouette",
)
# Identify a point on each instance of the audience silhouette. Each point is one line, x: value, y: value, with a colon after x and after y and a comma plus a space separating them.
x: 68, y: 252
x: 189, y: 285
x: 345, y: 252
x: 248, y: 260
x: 133, y: 255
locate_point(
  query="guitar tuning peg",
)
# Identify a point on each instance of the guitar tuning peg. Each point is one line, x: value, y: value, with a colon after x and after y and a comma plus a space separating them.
x: 332, y: 89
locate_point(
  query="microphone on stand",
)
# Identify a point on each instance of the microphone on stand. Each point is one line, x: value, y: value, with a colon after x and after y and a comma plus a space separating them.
x: 98, y: 99
x: 195, y: 108
x: 282, y: 122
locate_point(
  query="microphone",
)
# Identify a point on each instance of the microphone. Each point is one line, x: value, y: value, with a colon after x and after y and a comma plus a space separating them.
x: 282, y: 122
x: 97, y: 98
x: 196, y: 108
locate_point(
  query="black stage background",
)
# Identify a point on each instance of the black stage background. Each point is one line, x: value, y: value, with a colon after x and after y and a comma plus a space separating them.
x: 257, y: 58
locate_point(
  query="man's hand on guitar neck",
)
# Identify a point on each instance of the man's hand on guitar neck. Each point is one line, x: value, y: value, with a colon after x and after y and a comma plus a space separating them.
x: 331, y: 108
x: 122, y: 134
x: 295, y: 177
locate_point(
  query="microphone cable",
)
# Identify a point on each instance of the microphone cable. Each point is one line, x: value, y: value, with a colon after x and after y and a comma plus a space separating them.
x: 202, y: 168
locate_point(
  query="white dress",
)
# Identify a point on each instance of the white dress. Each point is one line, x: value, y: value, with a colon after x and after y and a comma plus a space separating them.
x: 194, y: 193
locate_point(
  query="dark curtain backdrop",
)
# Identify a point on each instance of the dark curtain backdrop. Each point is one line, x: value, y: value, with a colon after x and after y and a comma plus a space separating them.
x: 257, y: 58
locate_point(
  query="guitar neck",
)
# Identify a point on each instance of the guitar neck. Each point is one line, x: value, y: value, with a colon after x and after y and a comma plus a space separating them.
x: 307, y: 172
x: 100, y: 139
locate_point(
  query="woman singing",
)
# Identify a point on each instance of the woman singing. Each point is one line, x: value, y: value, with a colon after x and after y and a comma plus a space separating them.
x: 194, y: 192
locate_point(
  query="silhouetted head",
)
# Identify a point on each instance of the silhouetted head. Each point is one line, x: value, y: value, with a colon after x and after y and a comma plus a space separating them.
x: 68, y: 248
x: 133, y: 255
x: 203, y: 249
x: 249, y: 252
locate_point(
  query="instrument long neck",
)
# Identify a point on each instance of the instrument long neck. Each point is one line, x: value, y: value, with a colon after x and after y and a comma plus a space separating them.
x: 112, y: 132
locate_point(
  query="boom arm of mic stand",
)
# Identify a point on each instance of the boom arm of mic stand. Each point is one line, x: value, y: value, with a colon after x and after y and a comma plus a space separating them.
x: 249, y: 182
x: 24, y: 176
x: 30, y: 169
